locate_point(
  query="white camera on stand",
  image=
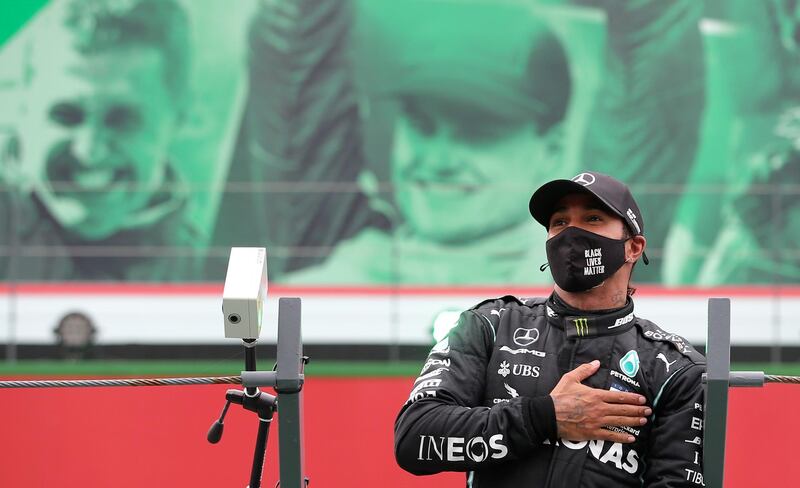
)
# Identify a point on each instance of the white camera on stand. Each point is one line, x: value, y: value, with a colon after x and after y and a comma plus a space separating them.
x: 245, y: 292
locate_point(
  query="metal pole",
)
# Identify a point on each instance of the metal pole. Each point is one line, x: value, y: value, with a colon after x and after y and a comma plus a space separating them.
x: 718, y: 354
x: 289, y: 384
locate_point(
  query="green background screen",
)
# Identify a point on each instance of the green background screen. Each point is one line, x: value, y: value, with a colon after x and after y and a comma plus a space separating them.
x: 377, y: 142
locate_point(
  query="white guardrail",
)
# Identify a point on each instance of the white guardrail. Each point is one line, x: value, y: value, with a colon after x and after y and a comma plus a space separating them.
x: 167, y: 315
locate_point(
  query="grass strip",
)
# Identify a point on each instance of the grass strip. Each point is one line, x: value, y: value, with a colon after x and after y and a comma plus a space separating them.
x: 198, y: 368
x: 231, y: 367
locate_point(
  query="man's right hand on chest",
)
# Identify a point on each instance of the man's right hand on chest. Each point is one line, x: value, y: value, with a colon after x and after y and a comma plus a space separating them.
x: 582, y: 412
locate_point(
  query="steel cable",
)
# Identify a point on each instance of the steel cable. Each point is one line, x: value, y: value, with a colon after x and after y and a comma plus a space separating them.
x: 212, y: 380
x: 774, y: 378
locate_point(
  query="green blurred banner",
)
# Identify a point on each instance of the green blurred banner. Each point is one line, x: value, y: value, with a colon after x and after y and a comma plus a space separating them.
x: 377, y: 142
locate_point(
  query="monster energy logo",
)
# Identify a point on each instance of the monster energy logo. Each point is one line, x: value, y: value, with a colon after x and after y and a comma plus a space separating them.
x: 581, y: 326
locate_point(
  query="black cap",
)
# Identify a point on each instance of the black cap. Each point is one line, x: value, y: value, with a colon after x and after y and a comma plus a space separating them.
x: 613, y: 193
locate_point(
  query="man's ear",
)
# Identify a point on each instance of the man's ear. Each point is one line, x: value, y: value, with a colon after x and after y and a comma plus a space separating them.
x: 635, y: 248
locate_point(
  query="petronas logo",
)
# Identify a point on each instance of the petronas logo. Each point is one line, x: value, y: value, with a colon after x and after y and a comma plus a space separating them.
x: 629, y: 364
x: 581, y: 326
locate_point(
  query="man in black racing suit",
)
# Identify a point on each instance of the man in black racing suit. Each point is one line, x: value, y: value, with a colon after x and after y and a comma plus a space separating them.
x: 569, y: 391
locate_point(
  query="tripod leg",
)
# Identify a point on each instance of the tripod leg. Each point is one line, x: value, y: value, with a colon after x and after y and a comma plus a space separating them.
x: 260, y: 451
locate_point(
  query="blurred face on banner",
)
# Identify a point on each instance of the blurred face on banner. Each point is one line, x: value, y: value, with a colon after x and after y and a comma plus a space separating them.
x: 99, y: 127
x: 101, y: 109
x: 461, y: 170
x: 482, y: 92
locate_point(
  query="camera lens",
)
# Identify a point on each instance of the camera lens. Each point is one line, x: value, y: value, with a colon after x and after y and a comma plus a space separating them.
x: 234, y: 318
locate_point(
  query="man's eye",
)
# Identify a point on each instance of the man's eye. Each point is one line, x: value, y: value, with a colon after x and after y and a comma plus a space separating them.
x: 557, y: 222
x: 594, y: 218
x: 122, y: 118
x: 67, y: 114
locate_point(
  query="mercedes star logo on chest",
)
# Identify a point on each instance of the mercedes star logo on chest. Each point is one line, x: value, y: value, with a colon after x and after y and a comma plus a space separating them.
x: 525, y: 337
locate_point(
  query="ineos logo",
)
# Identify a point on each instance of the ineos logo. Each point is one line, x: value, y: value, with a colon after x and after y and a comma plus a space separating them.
x: 452, y: 449
x: 525, y: 337
x: 584, y: 179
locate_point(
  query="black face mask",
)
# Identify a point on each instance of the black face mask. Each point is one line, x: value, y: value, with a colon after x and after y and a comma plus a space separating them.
x: 580, y: 260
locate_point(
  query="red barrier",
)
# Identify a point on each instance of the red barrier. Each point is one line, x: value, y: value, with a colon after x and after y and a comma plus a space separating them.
x: 763, y: 424
x: 134, y: 437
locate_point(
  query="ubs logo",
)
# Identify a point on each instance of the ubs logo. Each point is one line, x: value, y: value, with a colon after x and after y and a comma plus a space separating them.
x: 525, y: 337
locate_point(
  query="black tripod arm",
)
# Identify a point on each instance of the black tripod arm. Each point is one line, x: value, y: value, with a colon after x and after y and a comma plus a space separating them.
x: 261, y: 403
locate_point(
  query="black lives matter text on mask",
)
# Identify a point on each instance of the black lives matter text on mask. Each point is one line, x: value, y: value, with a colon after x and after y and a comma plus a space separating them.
x: 580, y: 260
x: 594, y: 262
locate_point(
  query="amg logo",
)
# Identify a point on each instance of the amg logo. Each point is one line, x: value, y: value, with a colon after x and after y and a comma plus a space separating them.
x: 534, y: 352
x: 454, y: 449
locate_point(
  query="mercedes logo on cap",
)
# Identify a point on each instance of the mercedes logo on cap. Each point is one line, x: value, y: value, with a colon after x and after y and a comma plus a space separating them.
x: 584, y: 179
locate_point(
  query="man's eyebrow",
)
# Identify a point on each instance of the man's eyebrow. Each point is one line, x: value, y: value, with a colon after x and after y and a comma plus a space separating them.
x: 588, y: 206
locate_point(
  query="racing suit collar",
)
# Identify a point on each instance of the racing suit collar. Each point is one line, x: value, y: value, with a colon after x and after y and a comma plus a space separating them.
x: 579, y: 323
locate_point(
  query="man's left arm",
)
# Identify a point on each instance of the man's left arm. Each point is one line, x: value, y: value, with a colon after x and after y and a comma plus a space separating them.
x: 675, y: 454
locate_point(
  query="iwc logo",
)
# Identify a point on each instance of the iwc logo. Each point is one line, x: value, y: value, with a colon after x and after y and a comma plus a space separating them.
x: 629, y: 364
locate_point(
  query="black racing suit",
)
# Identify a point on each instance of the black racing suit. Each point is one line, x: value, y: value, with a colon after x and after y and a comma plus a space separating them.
x: 481, y: 403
